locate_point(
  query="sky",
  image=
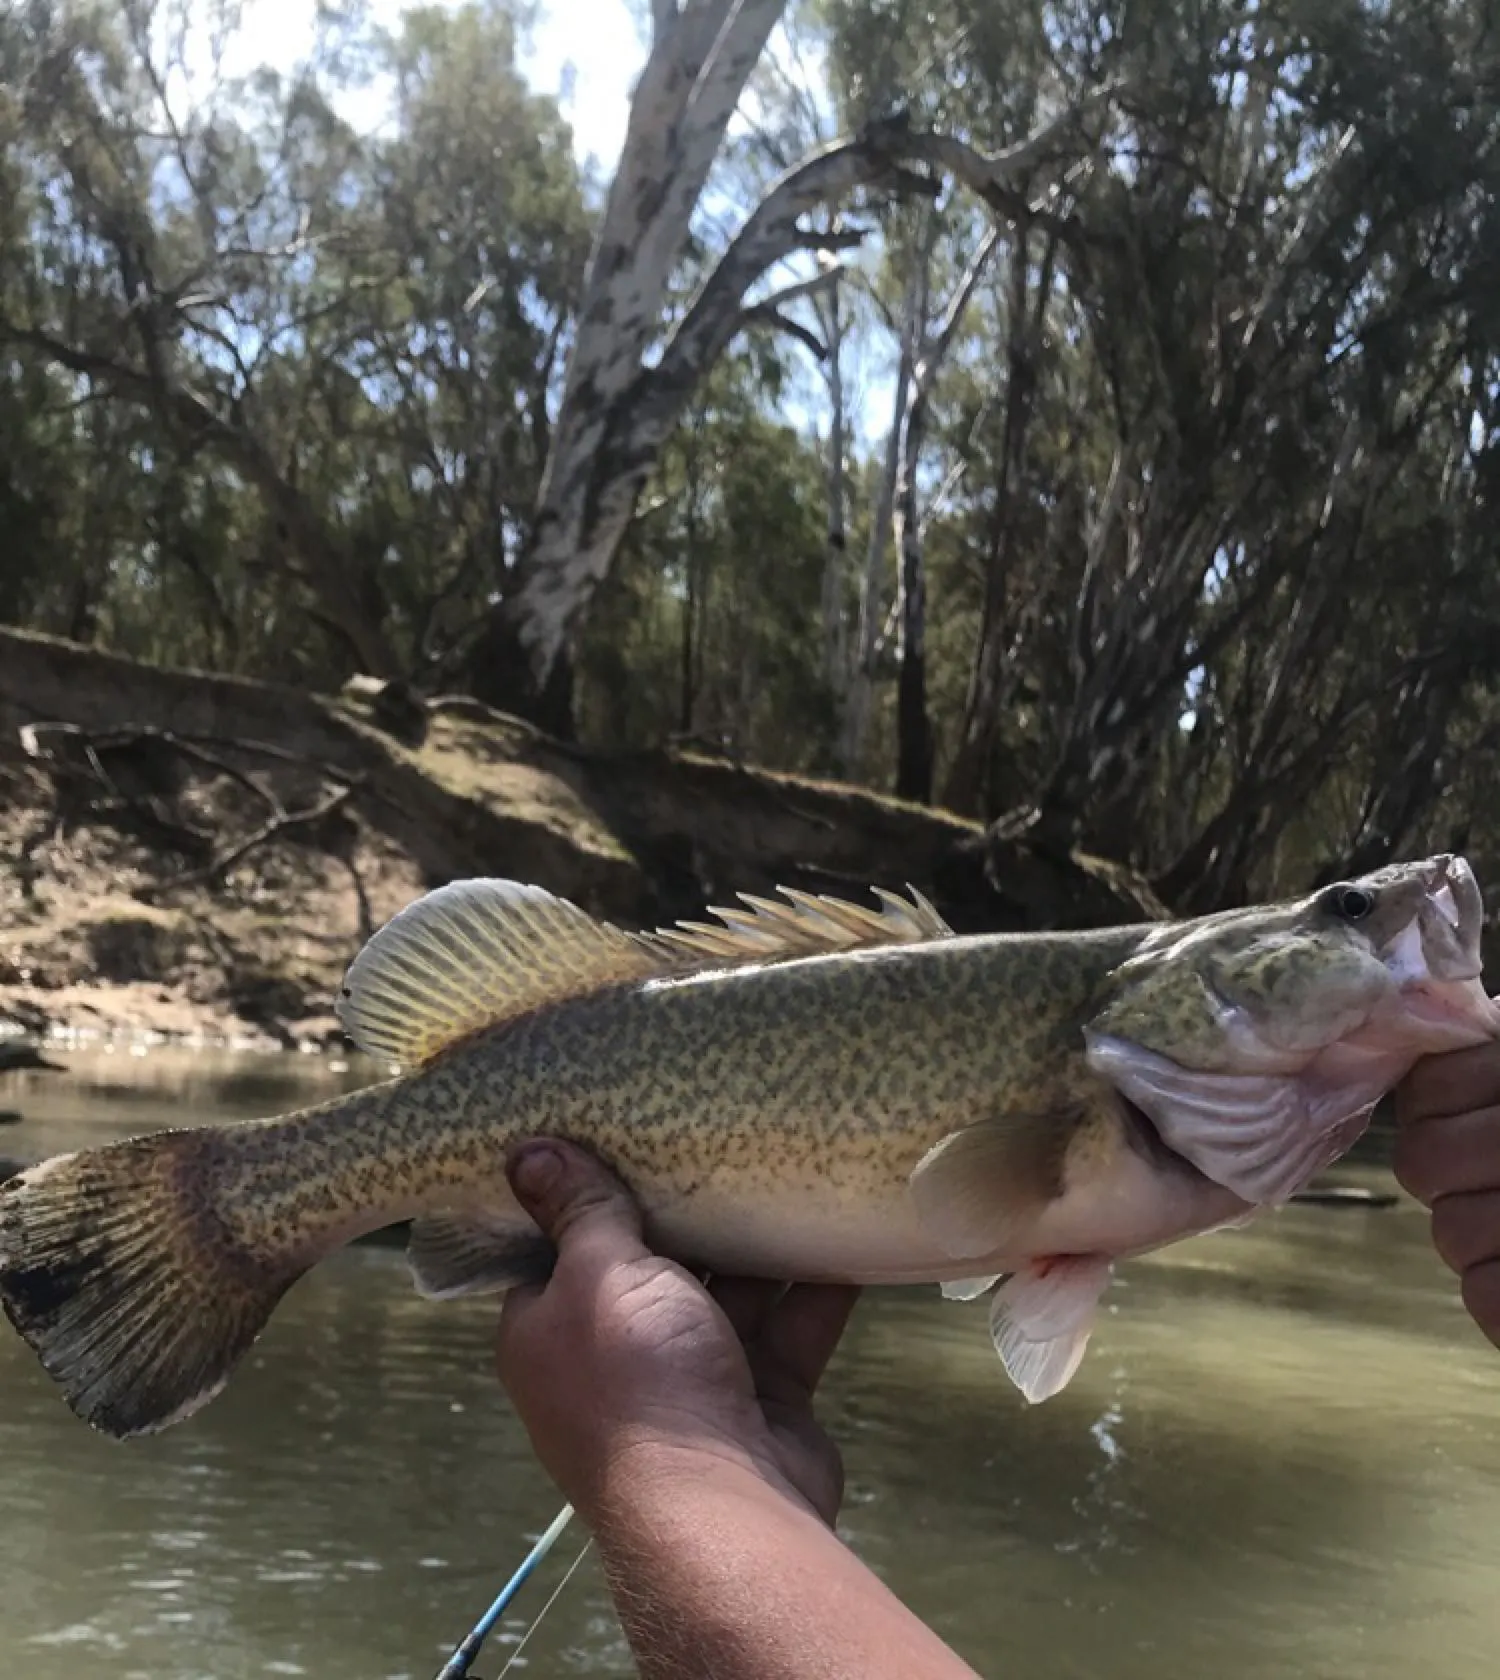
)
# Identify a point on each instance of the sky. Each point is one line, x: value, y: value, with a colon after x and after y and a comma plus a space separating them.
x: 590, y: 52
x: 596, y: 42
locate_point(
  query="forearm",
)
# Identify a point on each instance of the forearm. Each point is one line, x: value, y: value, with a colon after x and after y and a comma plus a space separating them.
x: 718, y: 1575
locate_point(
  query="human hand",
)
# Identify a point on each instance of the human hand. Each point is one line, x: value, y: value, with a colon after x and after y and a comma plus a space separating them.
x: 1448, y: 1157
x: 624, y: 1360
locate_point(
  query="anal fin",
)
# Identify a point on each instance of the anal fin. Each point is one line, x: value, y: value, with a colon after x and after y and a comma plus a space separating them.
x: 1042, y: 1319
x: 466, y: 1254
x: 969, y: 1289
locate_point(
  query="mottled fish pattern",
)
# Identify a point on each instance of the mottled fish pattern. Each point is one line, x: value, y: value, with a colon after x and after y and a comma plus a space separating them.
x: 805, y: 1089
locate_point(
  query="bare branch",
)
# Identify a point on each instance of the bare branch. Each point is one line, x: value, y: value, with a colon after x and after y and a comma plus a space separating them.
x: 765, y: 314
x: 1311, y: 225
x: 936, y: 346
x: 273, y: 828
x: 616, y: 413
x: 813, y: 284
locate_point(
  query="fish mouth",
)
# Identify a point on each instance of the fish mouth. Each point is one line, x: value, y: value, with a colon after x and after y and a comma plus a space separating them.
x: 1436, y: 963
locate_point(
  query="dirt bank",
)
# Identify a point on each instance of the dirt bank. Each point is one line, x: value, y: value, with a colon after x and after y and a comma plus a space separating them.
x: 199, y: 856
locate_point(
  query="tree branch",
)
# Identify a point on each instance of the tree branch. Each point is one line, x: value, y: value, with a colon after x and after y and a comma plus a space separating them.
x: 617, y: 413
x: 938, y: 343
x: 282, y: 823
x: 766, y: 315
x: 326, y: 566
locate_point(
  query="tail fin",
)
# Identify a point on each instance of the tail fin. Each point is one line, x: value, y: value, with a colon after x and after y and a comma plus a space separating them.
x: 116, y: 1270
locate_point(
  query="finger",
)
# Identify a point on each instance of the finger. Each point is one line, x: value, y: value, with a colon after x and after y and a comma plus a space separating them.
x: 1449, y: 1083
x: 1457, y: 1153
x: 799, y: 1339
x: 588, y: 1213
x: 516, y: 1311
x: 1466, y: 1229
x: 1481, y: 1292
x: 745, y: 1302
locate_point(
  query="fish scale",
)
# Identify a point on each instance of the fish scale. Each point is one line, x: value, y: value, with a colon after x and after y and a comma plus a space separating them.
x: 815, y: 1091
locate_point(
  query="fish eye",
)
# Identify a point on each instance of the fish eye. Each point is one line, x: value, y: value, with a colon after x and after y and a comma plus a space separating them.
x: 1353, y: 904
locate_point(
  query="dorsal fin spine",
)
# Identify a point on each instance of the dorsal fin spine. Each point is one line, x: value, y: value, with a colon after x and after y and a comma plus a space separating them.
x: 473, y: 954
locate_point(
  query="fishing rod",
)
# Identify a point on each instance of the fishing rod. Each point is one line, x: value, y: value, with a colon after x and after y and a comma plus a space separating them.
x: 458, y: 1665
x: 540, y: 1616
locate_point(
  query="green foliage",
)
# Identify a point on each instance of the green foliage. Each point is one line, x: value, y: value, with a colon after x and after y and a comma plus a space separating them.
x: 687, y: 639
x: 1208, y: 493
x: 338, y: 348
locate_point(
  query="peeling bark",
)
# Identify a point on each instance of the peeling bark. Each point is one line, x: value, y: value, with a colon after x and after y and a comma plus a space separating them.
x: 617, y: 409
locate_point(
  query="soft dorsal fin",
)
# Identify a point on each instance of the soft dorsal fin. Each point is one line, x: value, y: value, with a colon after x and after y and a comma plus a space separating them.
x: 805, y: 926
x: 474, y: 953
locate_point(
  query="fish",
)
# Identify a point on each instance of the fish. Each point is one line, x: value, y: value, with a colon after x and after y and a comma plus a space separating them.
x: 805, y: 1088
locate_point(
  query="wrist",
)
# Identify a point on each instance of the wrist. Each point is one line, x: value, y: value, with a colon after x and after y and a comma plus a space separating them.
x: 649, y: 1476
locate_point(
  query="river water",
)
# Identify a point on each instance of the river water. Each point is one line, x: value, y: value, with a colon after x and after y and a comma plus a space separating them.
x: 1281, y: 1458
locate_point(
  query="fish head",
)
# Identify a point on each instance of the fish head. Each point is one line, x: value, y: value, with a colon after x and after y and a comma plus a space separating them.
x: 1259, y: 1040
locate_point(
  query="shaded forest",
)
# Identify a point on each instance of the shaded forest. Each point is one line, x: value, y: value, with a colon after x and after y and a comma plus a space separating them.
x: 1078, y: 417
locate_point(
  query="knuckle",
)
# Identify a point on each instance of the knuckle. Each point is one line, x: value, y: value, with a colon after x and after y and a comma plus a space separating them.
x: 1481, y: 1296
x: 1412, y: 1164
x: 1452, y: 1083
x: 580, y: 1201
x: 1466, y: 1229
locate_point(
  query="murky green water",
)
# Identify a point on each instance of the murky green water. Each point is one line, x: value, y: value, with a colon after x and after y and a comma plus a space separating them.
x: 1282, y: 1458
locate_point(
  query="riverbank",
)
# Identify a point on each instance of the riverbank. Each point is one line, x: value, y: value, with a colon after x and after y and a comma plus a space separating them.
x: 197, y: 858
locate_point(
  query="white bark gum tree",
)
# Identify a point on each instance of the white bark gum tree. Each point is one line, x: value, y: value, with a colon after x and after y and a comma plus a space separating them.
x: 913, y: 725
x: 828, y: 306
x: 861, y: 691
x: 619, y: 406
x: 923, y: 348
x: 701, y: 56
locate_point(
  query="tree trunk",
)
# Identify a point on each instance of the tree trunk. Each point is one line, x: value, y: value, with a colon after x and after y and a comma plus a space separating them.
x: 914, y: 756
x: 862, y: 677
x: 913, y: 725
x: 617, y: 410
x: 966, y: 788
x: 836, y: 554
x: 500, y: 675
x: 692, y: 604
x: 600, y: 456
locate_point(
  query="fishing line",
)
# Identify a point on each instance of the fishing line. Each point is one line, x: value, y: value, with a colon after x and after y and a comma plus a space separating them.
x: 536, y: 1622
x: 457, y: 1666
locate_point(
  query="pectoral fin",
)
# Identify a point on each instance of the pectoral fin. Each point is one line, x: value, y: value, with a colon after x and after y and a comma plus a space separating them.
x: 1263, y: 1136
x: 1042, y: 1319
x: 978, y: 1187
x: 457, y: 1254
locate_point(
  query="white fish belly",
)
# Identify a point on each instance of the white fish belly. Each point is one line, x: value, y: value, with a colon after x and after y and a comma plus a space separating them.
x: 820, y: 1235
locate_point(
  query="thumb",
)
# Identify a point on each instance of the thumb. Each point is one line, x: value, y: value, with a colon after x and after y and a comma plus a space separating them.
x: 578, y: 1202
